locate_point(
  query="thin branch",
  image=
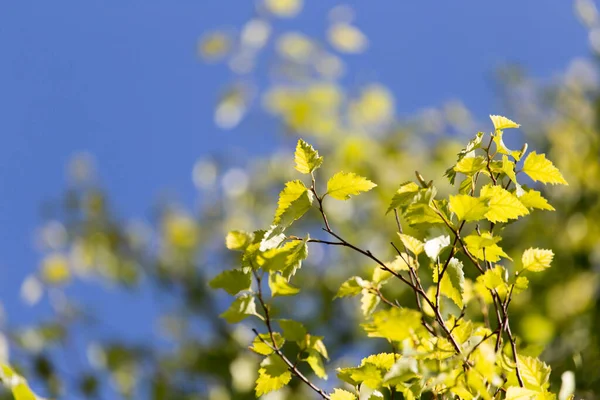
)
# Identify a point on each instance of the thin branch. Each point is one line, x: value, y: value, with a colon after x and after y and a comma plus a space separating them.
x: 273, y: 345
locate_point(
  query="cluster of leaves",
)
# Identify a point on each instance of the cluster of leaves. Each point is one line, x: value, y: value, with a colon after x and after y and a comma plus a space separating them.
x: 450, y: 347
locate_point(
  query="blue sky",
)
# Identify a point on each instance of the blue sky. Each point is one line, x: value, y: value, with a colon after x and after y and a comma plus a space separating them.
x: 121, y: 79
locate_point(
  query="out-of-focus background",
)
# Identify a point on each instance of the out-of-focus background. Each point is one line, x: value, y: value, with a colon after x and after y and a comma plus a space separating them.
x: 135, y: 134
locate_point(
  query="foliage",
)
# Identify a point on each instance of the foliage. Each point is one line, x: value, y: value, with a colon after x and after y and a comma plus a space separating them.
x: 178, y: 255
x: 446, y: 348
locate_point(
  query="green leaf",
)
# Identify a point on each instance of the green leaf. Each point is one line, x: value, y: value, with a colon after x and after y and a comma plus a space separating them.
x: 519, y: 393
x: 538, y: 168
x: 521, y: 284
x: 403, y: 196
x: 316, y: 343
x: 533, y: 199
x: 306, y: 157
x: 316, y: 364
x: 413, y: 244
x: 371, y: 371
x: 468, y: 208
x: 344, y: 184
x: 286, y: 259
x: 534, y: 372
x: 260, y: 347
x: 503, y: 205
x: 238, y: 240
x: 501, y: 122
x: 294, y: 201
x: 484, y: 246
x: 280, y: 287
x: 233, y: 281
x: 493, y: 278
x: 241, y: 308
x: 351, y: 287
x: 339, y: 394
x: 471, y: 165
x: 417, y: 214
x: 453, y: 282
x: 272, y: 375
x: 473, y: 145
x: 293, y: 261
x: 536, y: 260
x: 293, y: 331
x: 403, y: 370
x: 395, y: 324
x: 368, y: 302
x: 22, y: 391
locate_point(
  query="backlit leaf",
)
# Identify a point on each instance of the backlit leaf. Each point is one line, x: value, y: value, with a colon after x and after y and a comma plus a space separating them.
x: 339, y: 394
x: 294, y: 201
x: 260, y: 347
x: 468, y: 208
x: 293, y: 331
x: 238, y: 240
x: 484, y: 246
x: 403, y: 196
x: 306, y: 157
x: 395, y: 324
x: 233, y: 281
x: 501, y: 122
x: 280, y: 287
x: 413, y: 244
x: 503, y: 205
x: 272, y: 375
x: 536, y: 260
x: 368, y: 302
x: 241, y: 308
x: 533, y: 199
x: 345, y: 184
x: 351, y: 287
x: 471, y: 165
x: 538, y: 168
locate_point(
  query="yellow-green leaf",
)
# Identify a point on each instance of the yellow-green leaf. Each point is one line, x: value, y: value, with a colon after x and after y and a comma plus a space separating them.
x: 272, y: 375
x: 536, y: 260
x: 22, y: 391
x: 306, y: 157
x: 534, y: 372
x: 233, y: 281
x: 503, y: 205
x: 316, y: 364
x: 345, y: 184
x: 471, y: 165
x: 485, y: 247
x: 411, y: 243
x: 263, y: 344
x: 403, y: 196
x: 241, y: 308
x: 468, y: 208
x: 238, y: 240
x: 339, y: 394
x: 293, y: 331
x: 519, y: 393
x: 351, y: 287
x: 280, y: 286
x: 501, y: 122
x: 533, y: 199
x: 394, y: 324
x: 368, y: 302
x: 453, y: 282
x: 294, y: 201
x: 538, y: 168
